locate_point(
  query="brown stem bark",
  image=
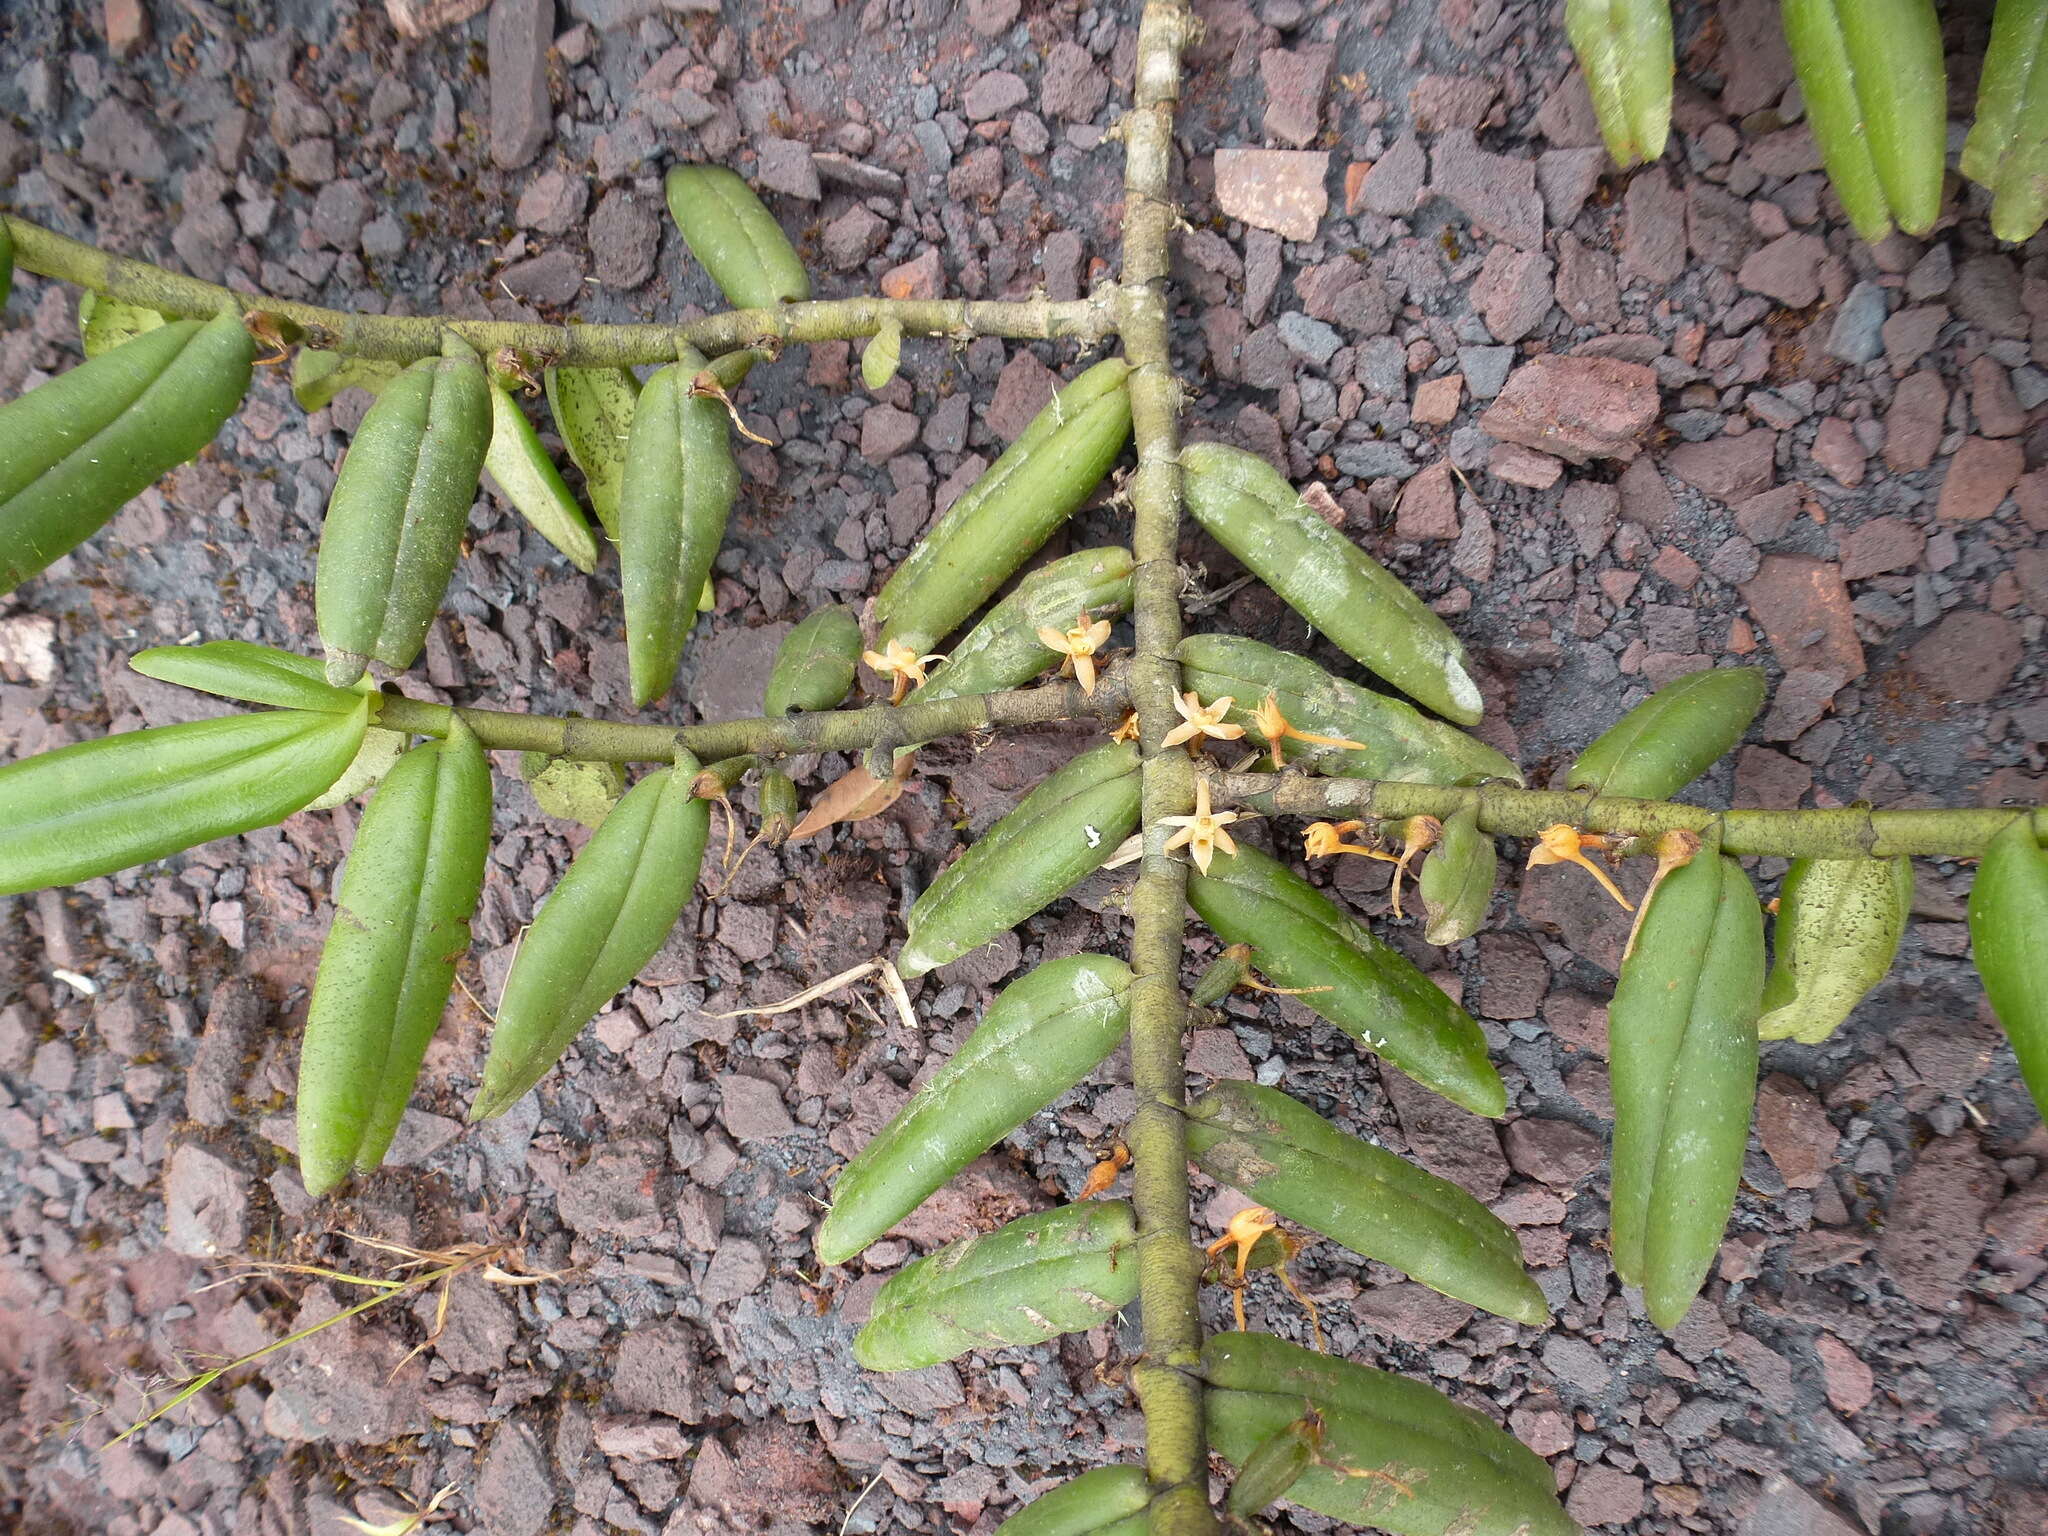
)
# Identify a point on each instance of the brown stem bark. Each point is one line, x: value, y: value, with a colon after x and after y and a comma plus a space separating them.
x: 1168, y: 1378
x: 839, y: 730
x: 1849, y: 833
x: 405, y: 338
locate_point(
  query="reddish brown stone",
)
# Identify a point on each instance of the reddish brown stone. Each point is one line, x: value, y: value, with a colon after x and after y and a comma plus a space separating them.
x: 1935, y: 1224
x: 127, y: 27
x: 1838, y: 450
x: 1436, y: 400
x: 1429, y: 505
x: 921, y: 277
x: 1524, y: 466
x: 1968, y: 657
x: 1912, y: 427
x: 1882, y: 544
x: 1512, y: 292
x: 1804, y: 610
x: 1577, y: 408
x: 1277, y: 189
x: 1604, y: 1495
x: 1727, y: 468
x: 1980, y: 477
x: 1849, y: 1382
x: 1795, y: 1131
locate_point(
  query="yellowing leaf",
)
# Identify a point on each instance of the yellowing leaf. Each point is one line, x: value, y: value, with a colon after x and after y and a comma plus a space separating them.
x: 854, y: 796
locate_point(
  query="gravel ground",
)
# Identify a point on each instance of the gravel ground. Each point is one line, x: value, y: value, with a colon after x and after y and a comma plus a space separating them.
x: 1794, y: 449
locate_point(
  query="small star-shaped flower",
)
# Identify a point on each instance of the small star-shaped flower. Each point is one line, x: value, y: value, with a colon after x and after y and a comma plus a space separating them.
x: 1199, y: 720
x: 1675, y: 850
x: 1270, y: 723
x: 1562, y: 844
x: 1202, y: 833
x: 1320, y: 839
x: 1079, y: 646
x: 1127, y: 728
x: 901, y: 665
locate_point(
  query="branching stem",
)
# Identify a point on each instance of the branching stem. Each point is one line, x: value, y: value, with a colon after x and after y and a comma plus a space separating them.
x: 839, y: 730
x: 404, y: 338
x: 1852, y: 832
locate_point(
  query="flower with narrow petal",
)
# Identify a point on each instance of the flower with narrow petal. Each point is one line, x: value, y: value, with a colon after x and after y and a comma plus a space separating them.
x: 1562, y: 844
x: 1270, y: 723
x: 1202, y: 833
x: 1675, y: 850
x: 1200, y: 721
x: 904, y: 668
x: 1078, y: 645
x: 1320, y: 839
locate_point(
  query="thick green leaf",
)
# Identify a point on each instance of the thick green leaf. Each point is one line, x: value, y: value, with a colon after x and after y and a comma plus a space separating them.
x: 1062, y: 832
x: 1300, y: 939
x: 1006, y: 516
x: 401, y: 922
x: 1043, y: 1034
x: 104, y: 323
x: 254, y: 674
x: 1673, y: 736
x: 573, y: 790
x: 883, y: 352
x: 1250, y: 509
x: 1395, y: 1455
x: 522, y: 475
x: 2008, y: 934
x: 1286, y: 1156
x: 815, y: 664
x: 1055, y: 1272
x: 318, y: 376
x: 594, y: 411
x: 1088, y: 1505
x: 607, y: 917
x: 1837, y: 933
x: 1682, y: 1050
x: 1396, y: 740
x: 108, y: 804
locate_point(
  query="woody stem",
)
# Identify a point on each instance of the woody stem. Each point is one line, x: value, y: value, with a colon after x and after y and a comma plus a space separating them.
x: 405, y: 338
x: 1506, y: 809
x: 847, y: 730
x: 1169, y: 1270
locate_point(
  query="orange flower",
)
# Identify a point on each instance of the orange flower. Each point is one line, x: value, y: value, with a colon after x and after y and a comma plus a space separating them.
x: 1104, y: 1173
x: 1322, y: 839
x: 1561, y: 844
x: 1200, y: 721
x: 903, y: 666
x: 1202, y: 833
x: 1417, y: 833
x: 1273, y: 725
x: 1247, y: 1229
x: 1079, y: 646
x: 1675, y: 850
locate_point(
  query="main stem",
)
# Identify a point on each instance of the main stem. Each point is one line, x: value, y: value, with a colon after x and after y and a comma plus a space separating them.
x: 405, y: 338
x: 1852, y: 832
x: 1168, y: 1377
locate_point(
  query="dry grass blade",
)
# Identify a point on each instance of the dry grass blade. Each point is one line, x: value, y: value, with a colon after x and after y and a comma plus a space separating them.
x: 406, y: 1524
x: 892, y: 984
x: 809, y: 994
x: 430, y: 1267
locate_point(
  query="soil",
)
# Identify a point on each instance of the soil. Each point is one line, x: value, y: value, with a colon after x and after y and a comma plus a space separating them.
x: 1841, y: 485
